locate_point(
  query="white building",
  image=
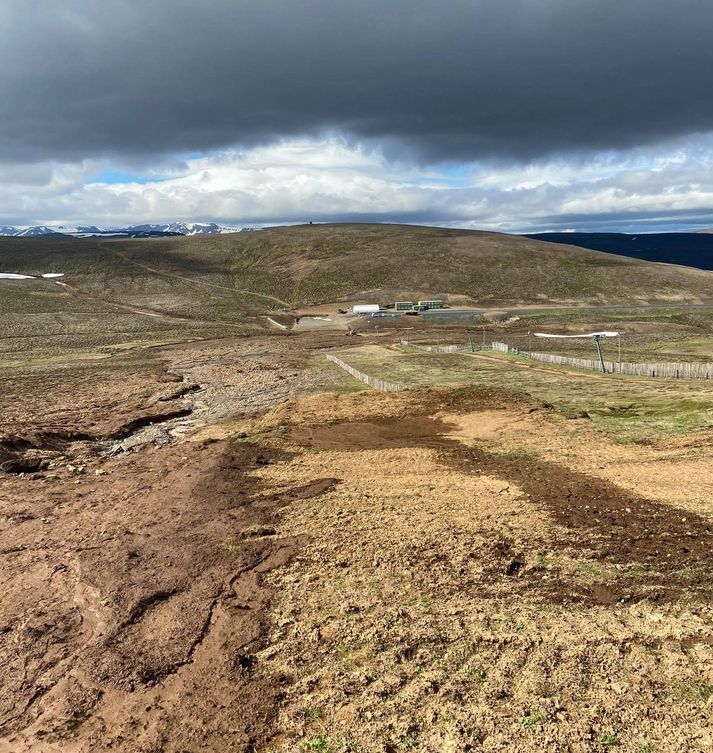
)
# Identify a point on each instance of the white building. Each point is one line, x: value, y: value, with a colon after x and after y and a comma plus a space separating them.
x: 365, y: 308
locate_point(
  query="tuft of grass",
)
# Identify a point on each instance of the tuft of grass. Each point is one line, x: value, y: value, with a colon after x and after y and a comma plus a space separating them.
x: 609, y: 740
x: 625, y: 439
x: 596, y: 572
x: 477, y: 672
x: 534, y: 721
x: 311, y: 714
x: 687, y: 573
x: 229, y: 546
x: 697, y: 692
x: 315, y: 745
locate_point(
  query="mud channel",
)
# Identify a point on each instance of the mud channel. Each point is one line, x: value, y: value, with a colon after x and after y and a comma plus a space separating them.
x: 137, y: 607
x: 133, y: 560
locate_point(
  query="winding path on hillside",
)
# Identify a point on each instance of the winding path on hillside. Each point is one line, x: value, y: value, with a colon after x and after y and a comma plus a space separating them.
x: 78, y: 293
x: 159, y: 272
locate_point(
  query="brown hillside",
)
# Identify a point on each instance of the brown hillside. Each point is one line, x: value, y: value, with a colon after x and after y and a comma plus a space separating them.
x: 253, y: 272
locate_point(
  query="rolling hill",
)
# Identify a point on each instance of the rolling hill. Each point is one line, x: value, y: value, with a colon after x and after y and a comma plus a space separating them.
x: 128, y: 292
x: 228, y: 276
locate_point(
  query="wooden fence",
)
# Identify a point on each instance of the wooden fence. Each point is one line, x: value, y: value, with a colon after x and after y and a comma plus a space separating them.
x: 666, y: 370
x: 682, y: 370
x: 377, y: 384
x: 444, y: 348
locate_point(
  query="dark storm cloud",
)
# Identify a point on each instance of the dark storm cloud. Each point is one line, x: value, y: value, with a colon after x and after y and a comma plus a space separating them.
x: 440, y: 79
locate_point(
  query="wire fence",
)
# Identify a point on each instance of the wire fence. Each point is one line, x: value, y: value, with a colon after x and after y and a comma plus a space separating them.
x: 377, y: 384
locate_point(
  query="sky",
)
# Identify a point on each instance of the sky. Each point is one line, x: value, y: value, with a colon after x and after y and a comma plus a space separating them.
x: 512, y: 115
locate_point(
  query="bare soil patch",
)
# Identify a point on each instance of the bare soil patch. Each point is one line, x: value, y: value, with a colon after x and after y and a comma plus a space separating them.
x: 133, y: 602
x: 440, y: 606
x: 407, y: 431
x: 614, y: 527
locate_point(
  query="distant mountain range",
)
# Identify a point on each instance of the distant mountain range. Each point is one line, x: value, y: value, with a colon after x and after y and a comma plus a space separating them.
x: 688, y: 249
x: 134, y: 231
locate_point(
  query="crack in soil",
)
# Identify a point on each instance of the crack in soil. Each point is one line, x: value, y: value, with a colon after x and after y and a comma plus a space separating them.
x: 150, y: 419
x: 138, y: 611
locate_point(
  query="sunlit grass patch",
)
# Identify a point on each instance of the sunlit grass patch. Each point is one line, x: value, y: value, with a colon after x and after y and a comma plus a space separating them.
x: 635, y: 410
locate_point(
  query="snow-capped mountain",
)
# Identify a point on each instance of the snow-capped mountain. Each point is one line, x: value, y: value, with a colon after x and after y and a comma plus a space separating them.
x: 28, y: 232
x: 37, y: 230
x: 149, y: 230
x: 187, y: 228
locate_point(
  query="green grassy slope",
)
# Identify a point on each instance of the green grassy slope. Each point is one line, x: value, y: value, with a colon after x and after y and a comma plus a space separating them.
x: 624, y: 405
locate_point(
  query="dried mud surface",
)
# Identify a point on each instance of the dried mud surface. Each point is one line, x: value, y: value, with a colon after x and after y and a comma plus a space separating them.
x: 133, y: 599
x: 133, y: 607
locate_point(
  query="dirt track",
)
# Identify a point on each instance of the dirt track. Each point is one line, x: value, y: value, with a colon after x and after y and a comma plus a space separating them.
x: 189, y: 280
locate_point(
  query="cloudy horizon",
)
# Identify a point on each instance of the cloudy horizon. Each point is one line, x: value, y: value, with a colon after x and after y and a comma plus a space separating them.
x: 525, y: 116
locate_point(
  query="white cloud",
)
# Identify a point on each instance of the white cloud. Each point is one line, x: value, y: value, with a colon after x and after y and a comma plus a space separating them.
x: 334, y: 179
